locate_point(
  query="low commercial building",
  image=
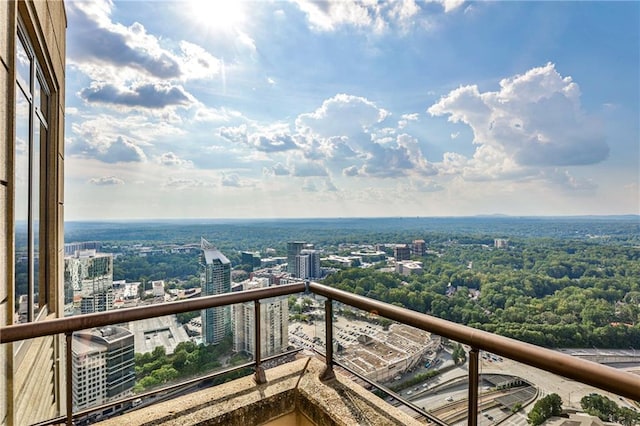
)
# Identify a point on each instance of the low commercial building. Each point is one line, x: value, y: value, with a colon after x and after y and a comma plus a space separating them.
x: 408, y: 267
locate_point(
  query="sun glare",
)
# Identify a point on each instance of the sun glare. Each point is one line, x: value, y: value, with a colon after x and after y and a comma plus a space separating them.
x: 217, y: 14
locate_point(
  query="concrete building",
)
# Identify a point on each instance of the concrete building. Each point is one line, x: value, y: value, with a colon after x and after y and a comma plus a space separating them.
x: 311, y: 264
x: 274, y: 322
x: 71, y: 248
x: 293, y: 249
x: 163, y: 331
x: 401, y: 252
x: 32, y: 93
x: 103, y: 366
x: 419, y: 248
x: 409, y: 267
x: 216, y: 279
x: 157, y: 288
x: 370, y: 256
x: 501, y: 243
x: 89, y: 275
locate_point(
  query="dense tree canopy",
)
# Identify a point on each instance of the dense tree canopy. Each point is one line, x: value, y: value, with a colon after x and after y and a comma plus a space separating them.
x: 553, y: 293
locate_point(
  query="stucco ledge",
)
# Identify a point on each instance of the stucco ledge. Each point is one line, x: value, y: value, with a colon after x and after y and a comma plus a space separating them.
x: 294, y: 387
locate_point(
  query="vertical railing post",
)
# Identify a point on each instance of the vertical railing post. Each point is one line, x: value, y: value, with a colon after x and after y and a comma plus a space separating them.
x: 260, y: 376
x: 69, y: 376
x: 328, y: 373
x: 472, y: 412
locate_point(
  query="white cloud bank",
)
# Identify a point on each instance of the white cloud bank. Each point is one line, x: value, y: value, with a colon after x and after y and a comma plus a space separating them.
x: 534, y: 121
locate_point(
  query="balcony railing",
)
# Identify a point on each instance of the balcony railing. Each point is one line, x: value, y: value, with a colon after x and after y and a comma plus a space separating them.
x: 600, y: 376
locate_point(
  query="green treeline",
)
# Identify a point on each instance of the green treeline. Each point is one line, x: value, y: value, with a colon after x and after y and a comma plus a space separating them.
x: 156, y: 368
x: 551, y: 293
x: 182, y: 266
x: 608, y: 411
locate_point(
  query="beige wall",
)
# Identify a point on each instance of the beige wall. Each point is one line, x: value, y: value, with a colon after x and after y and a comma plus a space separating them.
x: 29, y: 373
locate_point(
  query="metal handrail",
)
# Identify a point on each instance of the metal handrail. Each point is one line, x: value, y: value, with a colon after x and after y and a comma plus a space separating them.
x: 600, y: 376
x: 588, y: 372
x: 30, y: 330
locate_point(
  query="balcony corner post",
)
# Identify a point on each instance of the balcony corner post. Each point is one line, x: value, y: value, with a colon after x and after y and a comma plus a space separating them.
x: 260, y: 376
x: 69, y: 377
x: 474, y: 379
x: 328, y: 372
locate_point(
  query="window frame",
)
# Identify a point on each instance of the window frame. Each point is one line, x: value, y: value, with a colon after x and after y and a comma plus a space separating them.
x: 38, y: 146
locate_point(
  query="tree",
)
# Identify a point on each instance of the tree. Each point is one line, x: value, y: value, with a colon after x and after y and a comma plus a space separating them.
x: 545, y: 408
x: 458, y: 355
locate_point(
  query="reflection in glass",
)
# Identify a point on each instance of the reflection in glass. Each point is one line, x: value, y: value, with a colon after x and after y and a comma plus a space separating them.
x: 21, y: 207
x: 23, y: 66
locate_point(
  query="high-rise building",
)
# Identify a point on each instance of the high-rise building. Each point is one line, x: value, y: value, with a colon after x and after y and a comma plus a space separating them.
x: 308, y: 264
x: 293, y: 249
x: 401, y: 252
x: 216, y: 279
x: 250, y: 258
x: 89, y: 275
x: 274, y: 322
x: 419, y: 247
x: 103, y: 366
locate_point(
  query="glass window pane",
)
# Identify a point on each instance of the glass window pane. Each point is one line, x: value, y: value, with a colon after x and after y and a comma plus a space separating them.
x: 23, y: 66
x: 35, y: 209
x: 21, y: 206
x: 41, y: 98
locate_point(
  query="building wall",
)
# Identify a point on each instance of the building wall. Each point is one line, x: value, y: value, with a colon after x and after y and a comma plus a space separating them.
x: 29, y: 379
x: 217, y: 280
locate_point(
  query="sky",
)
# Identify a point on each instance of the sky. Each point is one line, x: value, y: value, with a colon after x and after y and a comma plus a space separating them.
x: 281, y: 109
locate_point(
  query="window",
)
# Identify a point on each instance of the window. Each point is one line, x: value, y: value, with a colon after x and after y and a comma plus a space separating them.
x: 31, y: 127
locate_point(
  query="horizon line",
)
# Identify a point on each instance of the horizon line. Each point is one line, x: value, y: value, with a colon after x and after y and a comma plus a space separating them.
x: 236, y: 219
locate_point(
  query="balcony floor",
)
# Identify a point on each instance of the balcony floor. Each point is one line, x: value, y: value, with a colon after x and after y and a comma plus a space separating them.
x: 293, y: 395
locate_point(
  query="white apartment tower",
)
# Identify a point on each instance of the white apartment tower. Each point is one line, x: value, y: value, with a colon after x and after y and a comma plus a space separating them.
x: 274, y: 323
x: 308, y: 264
x: 216, y: 279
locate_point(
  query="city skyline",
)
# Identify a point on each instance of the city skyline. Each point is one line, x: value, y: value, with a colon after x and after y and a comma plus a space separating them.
x: 345, y: 109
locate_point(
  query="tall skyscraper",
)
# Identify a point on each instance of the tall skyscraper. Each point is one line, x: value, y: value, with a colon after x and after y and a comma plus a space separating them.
x: 89, y: 275
x: 293, y: 249
x: 274, y: 322
x: 103, y: 366
x: 216, y: 279
x: 308, y: 264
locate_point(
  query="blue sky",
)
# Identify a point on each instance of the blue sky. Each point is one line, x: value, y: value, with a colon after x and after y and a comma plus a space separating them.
x: 216, y: 109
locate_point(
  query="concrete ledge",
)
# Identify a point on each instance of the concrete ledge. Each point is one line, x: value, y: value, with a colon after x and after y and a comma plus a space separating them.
x: 293, y: 395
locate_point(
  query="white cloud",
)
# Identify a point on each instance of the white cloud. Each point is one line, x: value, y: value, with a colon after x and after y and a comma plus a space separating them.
x: 233, y: 180
x: 197, y: 63
x: 330, y: 14
x: 406, y: 118
x: 308, y: 168
x: 172, y: 160
x: 342, y: 115
x: 106, y: 181
x: 450, y: 5
x: 369, y: 15
x: 266, y: 139
x: 535, y: 119
x: 147, y: 95
x: 120, y: 150
x: 184, y: 183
